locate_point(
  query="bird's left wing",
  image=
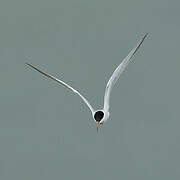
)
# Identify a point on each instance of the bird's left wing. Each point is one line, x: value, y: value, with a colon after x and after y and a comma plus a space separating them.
x: 116, y: 74
x: 65, y: 85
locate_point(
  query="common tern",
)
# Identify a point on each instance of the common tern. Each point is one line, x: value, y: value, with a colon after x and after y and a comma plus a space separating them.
x: 101, y: 115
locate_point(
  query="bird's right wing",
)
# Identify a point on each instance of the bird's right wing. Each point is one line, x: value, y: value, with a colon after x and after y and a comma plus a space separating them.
x: 116, y: 74
x: 65, y: 85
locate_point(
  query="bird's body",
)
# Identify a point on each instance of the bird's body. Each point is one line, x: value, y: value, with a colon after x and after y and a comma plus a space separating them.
x: 102, y: 115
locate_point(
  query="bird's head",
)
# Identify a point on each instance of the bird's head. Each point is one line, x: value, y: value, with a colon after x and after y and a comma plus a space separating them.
x: 98, y: 116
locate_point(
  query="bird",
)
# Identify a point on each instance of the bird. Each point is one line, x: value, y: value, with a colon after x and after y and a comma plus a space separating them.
x: 100, y: 116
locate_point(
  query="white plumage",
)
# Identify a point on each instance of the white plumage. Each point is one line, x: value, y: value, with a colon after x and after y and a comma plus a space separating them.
x: 102, y: 115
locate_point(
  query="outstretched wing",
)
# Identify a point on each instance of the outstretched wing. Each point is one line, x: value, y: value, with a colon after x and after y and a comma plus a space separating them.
x: 65, y: 85
x: 116, y: 74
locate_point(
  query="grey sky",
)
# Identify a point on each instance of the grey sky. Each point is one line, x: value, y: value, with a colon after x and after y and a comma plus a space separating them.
x: 46, y: 132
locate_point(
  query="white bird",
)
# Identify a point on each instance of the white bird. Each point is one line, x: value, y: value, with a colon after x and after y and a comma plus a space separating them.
x: 100, y: 116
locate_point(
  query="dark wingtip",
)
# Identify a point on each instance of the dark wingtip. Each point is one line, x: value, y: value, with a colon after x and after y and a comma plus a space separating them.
x: 145, y: 35
x: 27, y: 64
x: 30, y: 65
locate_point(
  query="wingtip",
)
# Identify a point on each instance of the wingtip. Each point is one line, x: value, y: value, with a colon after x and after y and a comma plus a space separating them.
x: 145, y: 35
x: 27, y: 64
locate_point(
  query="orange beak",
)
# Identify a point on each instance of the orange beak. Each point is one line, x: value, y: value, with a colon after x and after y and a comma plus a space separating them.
x: 97, y: 126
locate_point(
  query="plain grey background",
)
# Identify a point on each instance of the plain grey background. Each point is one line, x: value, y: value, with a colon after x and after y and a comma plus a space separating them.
x: 46, y: 132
